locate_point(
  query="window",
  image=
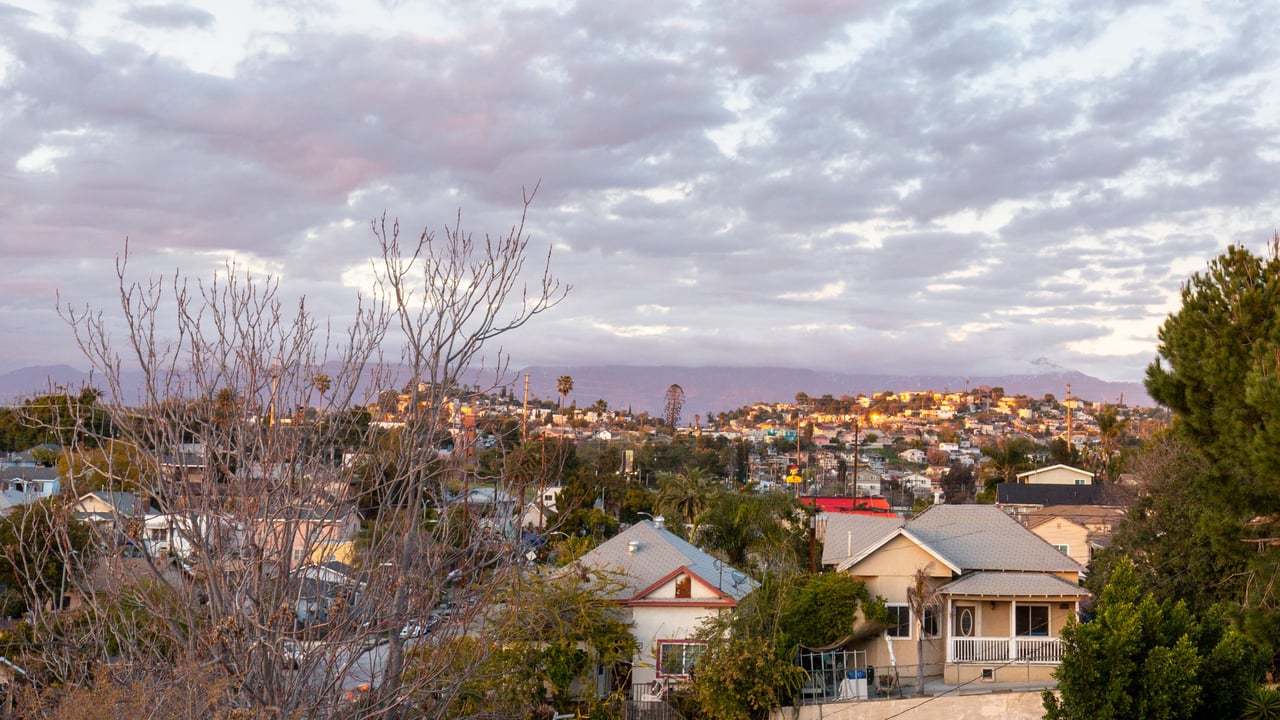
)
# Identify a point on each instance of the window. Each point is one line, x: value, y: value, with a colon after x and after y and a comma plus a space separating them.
x: 931, y: 622
x: 684, y: 586
x: 899, y: 621
x: 1064, y: 549
x: 1032, y: 620
x: 678, y: 658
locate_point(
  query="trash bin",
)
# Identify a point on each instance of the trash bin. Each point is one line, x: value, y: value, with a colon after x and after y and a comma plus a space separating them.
x: 854, y: 685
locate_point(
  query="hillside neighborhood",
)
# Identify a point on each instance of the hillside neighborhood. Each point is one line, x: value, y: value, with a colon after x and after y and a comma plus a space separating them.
x: 890, y: 487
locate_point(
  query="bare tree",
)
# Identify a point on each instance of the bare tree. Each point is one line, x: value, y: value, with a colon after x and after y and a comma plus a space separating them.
x: 250, y: 491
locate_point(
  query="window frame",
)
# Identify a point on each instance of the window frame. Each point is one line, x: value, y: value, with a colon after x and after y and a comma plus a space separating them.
x: 931, y: 622
x: 896, y: 612
x: 1029, y: 627
x: 688, y: 660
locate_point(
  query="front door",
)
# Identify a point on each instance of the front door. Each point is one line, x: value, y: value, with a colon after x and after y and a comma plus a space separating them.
x: 966, y: 621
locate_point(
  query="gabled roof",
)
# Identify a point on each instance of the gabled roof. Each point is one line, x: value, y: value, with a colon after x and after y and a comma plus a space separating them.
x: 966, y: 538
x: 124, y: 503
x: 658, y: 556
x: 1052, y: 468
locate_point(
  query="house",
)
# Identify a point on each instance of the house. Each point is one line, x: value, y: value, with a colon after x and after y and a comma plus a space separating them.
x: 666, y: 587
x: 24, y: 484
x: 319, y: 586
x: 1021, y: 500
x: 1056, y: 475
x: 115, y: 516
x: 868, y: 482
x: 919, y: 485
x: 913, y: 455
x: 298, y: 532
x: 1077, y: 530
x: 537, y: 512
x: 1000, y: 594
x: 180, y: 534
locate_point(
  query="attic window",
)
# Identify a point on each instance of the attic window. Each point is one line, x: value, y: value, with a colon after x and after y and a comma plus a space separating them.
x: 684, y: 586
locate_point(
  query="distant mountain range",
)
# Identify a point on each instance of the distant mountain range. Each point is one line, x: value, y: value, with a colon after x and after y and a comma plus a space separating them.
x: 707, y: 389
x: 718, y: 389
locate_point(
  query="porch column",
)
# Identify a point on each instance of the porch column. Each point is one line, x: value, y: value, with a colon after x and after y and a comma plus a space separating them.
x: 949, y: 631
x: 1013, y: 629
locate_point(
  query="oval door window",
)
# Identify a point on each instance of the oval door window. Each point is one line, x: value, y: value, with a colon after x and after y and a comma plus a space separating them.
x: 966, y: 622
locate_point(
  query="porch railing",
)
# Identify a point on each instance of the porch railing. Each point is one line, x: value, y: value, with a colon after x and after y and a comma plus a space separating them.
x: 1005, y: 649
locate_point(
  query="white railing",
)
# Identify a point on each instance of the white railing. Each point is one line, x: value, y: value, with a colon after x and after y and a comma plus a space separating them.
x: 1046, y: 650
x: 1004, y: 649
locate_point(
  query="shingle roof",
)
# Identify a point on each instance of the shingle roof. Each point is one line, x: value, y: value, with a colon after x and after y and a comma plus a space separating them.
x: 983, y: 537
x: 969, y: 537
x: 658, y: 553
x: 1021, y: 584
x: 848, y: 534
x: 1019, y: 494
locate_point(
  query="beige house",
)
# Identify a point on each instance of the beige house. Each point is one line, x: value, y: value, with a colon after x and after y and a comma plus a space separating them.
x: 1056, y: 475
x: 999, y: 594
x: 1077, y: 530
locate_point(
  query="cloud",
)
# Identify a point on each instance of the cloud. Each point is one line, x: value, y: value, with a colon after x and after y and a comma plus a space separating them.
x: 170, y: 16
x: 920, y: 185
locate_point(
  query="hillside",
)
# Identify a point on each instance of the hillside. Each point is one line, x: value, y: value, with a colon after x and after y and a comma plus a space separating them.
x: 707, y: 389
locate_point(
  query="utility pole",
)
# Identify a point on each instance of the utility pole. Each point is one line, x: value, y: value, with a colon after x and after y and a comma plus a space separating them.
x: 1069, y: 404
x: 524, y: 412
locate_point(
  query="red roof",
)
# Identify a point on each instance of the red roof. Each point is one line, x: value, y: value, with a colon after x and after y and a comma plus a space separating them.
x: 876, y: 506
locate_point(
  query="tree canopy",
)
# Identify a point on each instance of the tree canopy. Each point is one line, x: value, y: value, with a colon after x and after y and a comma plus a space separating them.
x: 1143, y: 658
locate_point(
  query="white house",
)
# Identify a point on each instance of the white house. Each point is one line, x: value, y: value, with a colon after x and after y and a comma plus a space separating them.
x: 668, y: 588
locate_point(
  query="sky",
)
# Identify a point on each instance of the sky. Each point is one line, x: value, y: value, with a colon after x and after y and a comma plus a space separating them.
x: 901, y: 187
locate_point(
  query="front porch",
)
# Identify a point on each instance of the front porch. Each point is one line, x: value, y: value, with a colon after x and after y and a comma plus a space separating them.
x: 998, y: 638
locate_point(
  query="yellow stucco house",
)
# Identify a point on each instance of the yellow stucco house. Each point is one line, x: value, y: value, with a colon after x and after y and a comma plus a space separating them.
x: 1000, y: 595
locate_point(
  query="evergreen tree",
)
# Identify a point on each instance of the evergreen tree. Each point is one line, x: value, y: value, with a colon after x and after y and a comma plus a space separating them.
x: 1142, y: 658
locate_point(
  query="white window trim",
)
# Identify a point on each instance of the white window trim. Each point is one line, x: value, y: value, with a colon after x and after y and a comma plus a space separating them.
x: 910, y: 621
x: 658, y: 656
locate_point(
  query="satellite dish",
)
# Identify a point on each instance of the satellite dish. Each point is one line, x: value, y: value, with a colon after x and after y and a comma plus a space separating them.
x: 738, y: 578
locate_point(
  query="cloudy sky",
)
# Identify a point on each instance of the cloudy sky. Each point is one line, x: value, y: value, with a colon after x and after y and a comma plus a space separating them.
x: 925, y: 186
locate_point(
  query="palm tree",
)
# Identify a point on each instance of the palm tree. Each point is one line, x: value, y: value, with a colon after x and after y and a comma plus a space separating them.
x: 564, y: 386
x: 737, y: 525
x: 684, y: 496
x: 1009, y: 456
x: 1111, y: 433
x: 923, y: 599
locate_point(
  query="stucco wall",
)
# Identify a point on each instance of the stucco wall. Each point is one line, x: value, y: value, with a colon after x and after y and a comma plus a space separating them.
x: 1012, y: 705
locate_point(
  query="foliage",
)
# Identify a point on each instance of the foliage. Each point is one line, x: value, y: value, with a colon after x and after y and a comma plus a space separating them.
x: 1219, y: 357
x: 62, y: 417
x: 743, y: 678
x: 822, y: 609
x: 739, y: 527
x: 43, y: 548
x: 1262, y: 703
x: 1006, y: 458
x: 746, y: 670
x: 1180, y: 547
x: 1218, y: 371
x: 553, y: 631
x: 1142, y: 658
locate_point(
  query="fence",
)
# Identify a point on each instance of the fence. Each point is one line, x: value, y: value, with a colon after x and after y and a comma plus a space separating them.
x: 841, y: 675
